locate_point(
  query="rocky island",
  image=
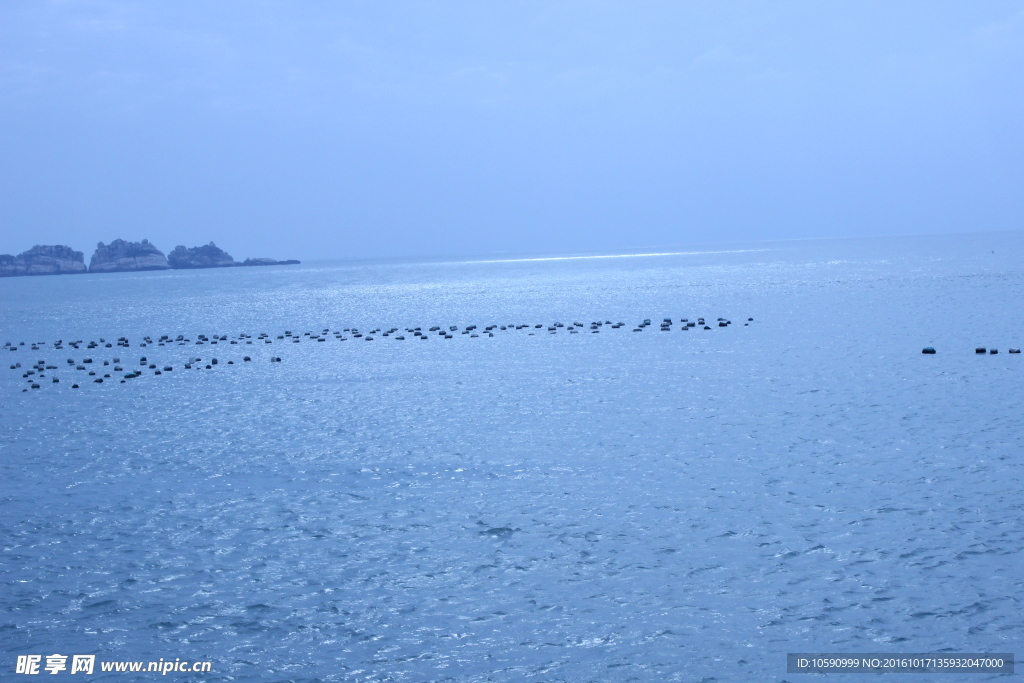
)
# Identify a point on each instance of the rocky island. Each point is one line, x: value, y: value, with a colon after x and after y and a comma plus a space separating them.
x: 267, y: 262
x: 209, y: 256
x: 212, y: 256
x: 120, y: 256
x: 43, y: 260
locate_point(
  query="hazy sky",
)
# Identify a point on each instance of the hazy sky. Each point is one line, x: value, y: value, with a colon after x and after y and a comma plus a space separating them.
x: 372, y: 129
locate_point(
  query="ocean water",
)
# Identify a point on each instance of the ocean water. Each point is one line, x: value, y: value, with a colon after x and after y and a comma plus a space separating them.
x: 610, y: 506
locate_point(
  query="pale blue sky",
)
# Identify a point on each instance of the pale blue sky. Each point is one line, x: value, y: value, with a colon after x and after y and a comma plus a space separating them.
x: 380, y: 129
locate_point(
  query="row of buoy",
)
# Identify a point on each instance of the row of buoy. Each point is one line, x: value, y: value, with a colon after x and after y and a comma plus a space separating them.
x: 394, y: 332
x: 978, y: 350
x: 38, y: 370
x: 100, y: 373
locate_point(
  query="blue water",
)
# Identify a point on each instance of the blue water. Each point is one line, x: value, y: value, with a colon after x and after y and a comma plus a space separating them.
x: 618, y: 506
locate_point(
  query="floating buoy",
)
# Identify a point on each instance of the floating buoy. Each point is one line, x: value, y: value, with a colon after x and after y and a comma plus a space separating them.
x: 928, y: 349
x: 980, y: 349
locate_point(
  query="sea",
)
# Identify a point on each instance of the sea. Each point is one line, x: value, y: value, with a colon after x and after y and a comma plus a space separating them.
x: 522, y: 503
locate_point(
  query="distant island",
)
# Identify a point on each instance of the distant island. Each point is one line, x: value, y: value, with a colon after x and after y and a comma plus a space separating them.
x: 120, y: 256
x: 40, y: 260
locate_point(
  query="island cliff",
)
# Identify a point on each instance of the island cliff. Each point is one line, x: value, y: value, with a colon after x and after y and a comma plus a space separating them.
x: 209, y: 256
x: 120, y: 256
x: 43, y: 260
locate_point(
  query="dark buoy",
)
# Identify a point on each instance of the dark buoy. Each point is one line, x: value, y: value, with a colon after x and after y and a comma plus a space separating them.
x: 928, y: 350
x: 74, y: 386
x: 1014, y: 351
x: 980, y: 349
x: 993, y: 351
x: 246, y: 358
